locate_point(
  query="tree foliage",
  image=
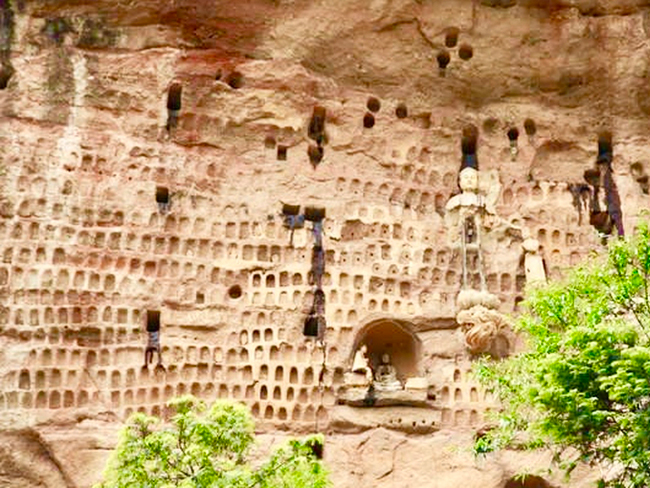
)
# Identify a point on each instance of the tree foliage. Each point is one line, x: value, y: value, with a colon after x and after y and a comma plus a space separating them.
x: 582, y: 387
x: 205, y: 447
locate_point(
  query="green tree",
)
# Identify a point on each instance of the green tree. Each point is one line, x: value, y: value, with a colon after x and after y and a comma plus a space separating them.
x: 582, y: 386
x: 207, y: 448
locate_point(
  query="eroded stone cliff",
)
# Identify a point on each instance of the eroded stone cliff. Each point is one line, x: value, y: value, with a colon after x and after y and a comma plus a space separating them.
x: 148, y: 150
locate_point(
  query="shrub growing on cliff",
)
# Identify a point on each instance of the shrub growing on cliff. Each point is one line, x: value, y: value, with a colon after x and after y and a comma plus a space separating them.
x: 583, y: 385
x: 207, y: 448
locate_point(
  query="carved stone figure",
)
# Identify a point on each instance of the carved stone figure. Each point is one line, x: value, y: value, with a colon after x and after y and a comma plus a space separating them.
x: 486, y: 331
x: 386, y: 375
x: 466, y: 216
x: 360, y: 364
x: 533, y: 262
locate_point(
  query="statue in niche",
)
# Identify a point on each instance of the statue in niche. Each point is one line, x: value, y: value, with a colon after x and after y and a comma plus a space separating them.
x: 361, y: 365
x: 467, y: 215
x: 533, y: 262
x: 486, y: 331
x: 386, y: 375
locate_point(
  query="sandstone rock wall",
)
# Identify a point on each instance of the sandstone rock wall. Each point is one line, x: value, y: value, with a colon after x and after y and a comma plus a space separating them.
x: 87, y: 249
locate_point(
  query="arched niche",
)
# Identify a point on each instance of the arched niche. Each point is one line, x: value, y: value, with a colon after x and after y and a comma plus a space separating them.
x: 395, y: 337
x: 531, y: 481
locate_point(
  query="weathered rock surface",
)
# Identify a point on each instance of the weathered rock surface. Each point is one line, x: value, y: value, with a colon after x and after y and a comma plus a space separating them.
x: 90, y: 145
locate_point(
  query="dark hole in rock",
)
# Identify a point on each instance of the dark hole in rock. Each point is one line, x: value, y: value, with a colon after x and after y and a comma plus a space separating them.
x: 174, y: 97
x: 530, y: 127
x: 314, y: 214
x: 162, y: 194
x: 451, y: 38
x: 373, y: 104
x: 605, y: 145
x: 401, y: 111
x: 468, y: 142
x: 234, y: 292
x: 443, y: 59
x: 200, y: 298
x: 316, y: 129
x: 368, y: 121
x: 315, y: 154
x: 290, y: 209
x: 513, y: 134
x: 235, y: 80
x: 531, y: 481
x: 5, y: 76
x: 636, y: 169
x: 153, y: 320
x: 310, y: 329
x: 490, y: 124
x: 465, y: 52
x: 218, y: 74
x: 282, y: 153
x: 269, y: 142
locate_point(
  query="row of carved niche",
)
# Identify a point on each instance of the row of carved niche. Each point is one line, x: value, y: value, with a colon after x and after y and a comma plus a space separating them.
x: 78, y: 209
x: 205, y: 249
x: 131, y: 353
x: 251, y: 320
x: 536, y: 192
x: 64, y: 316
x: 464, y: 393
x: 54, y: 399
x: 41, y: 278
x: 60, y: 278
x: 28, y: 227
x: 414, y: 197
x: 521, y: 194
x: 107, y: 218
x: 117, y: 315
x: 69, y: 334
x: 575, y: 237
x: 277, y: 231
x: 82, y: 315
x: 249, y: 394
x: 339, y: 315
x: 360, y: 282
x: 85, y: 314
x: 206, y: 361
x: 370, y: 190
x: 260, y: 410
x: 461, y: 417
x: 209, y: 250
x: 197, y: 227
x: 27, y: 223
x: 87, y: 376
x: 57, y: 399
x: 63, y: 279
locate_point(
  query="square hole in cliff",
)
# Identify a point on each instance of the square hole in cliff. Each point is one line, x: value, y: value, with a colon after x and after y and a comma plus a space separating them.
x: 162, y: 195
x: 174, y: 97
x: 153, y: 320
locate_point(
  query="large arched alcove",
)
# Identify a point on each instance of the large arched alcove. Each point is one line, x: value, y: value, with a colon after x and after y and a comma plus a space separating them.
x: 531, y: 481
x: 394, y: 337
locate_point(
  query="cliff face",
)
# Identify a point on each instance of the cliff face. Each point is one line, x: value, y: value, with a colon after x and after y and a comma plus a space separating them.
x: 147, y: 149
